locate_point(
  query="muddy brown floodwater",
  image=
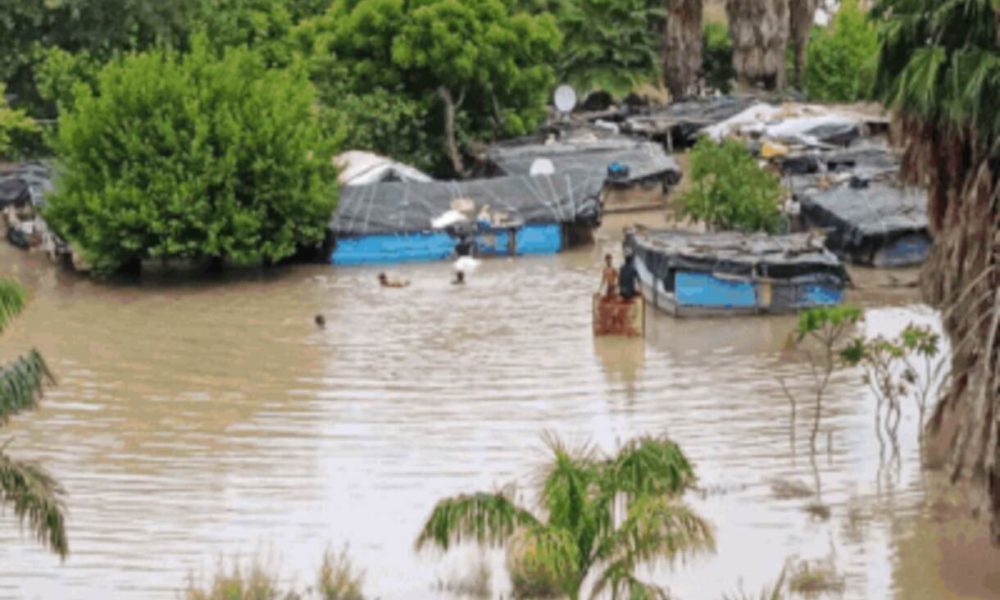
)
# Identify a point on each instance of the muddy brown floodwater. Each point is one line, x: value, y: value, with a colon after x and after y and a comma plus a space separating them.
x: 200, y: 420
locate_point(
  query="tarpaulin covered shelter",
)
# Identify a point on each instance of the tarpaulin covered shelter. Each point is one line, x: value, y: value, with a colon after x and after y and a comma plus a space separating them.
x: 871, y: 223
x: 810, y: 125
x: 392, y: 222
x: 728, y: 273
x: 643, y: 162
x: 678, y: 124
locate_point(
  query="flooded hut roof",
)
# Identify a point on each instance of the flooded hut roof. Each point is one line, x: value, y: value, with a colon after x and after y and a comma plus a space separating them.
x: 877, y: 211
x: 736, y: 253
x: 686, y: 118
x: 406, y: 207
x: 644, y: 160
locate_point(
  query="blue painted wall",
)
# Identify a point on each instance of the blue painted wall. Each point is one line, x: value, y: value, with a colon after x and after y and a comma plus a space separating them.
x: 814, y: 294
x: 438, y: 245
x: 703, y: 289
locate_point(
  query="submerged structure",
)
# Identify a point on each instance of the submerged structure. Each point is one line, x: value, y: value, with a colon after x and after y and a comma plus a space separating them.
x: 689, y: 274
x: 396, y: 222
x: 854, y: 197
x: 874, y: 224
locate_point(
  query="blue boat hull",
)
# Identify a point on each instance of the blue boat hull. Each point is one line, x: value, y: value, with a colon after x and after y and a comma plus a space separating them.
x: 438, y: 245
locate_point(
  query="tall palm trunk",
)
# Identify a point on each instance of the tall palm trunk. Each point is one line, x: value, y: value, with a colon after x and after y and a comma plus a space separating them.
x: 759, y: 30
x: 802, y: 16
x: 682, y: 43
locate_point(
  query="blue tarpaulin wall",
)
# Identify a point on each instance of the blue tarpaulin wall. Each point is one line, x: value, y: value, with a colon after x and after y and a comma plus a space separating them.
x: 438, y: 245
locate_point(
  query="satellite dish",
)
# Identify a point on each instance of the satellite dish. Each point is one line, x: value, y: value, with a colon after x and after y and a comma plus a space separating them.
x: 542, y: 166
x: 565, y: 99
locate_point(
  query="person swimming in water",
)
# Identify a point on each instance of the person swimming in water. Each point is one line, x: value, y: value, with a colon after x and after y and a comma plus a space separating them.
x: 459, y: 278
x: 320, y: 321
x: 384, y: 281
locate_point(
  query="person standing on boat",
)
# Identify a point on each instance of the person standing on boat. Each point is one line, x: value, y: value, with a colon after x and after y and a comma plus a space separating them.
x: 609, y: 279
x: 628, y: 278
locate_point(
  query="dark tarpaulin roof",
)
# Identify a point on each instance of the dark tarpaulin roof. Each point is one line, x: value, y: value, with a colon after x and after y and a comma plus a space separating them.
x: 409, y: 207
x: 644, y: 160
x: 778, y: 256
x: 25, y: 183
x: 869, y: 215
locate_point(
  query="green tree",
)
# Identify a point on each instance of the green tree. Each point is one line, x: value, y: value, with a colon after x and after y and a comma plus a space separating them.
x: 192, y: 157
x: 596, y: 513
x: 730, y: 191
x: 264, y: 25
x: 841, y: 57
x: 13, y: 124
x: 939, y: 69
x: 614, y: 45
x: 481, y: 71
x: 33, y: 494
x: 717, y: 65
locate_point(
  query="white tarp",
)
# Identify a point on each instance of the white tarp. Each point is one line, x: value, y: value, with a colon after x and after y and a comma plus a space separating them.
x: 362, y: 168
x: 802, y: 124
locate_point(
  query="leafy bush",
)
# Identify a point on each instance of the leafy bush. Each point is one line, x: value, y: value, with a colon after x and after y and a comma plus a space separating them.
x: 840, y: 63
x: 718, y: 58
x: 192, y: 157
x: 730, y: 191
x: 14, y: 126
x: 338, y: 578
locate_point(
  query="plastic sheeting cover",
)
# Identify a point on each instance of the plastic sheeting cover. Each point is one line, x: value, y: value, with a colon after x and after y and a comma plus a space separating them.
x: 24, y: 183
x: 408, y: 207
x: 775, y: 256
x: 644, y: 160
x: 687, y: 117
x: 867, y: 216
x: 362, y: 168
x: 810, y: 125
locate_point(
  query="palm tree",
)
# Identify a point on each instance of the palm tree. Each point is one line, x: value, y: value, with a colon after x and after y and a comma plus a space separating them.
x: 802, y: 16
x: 34, y: 496
x: 939, y: 69
x: 596, y: 513
x: 759, y: 30
x: 682, y: 45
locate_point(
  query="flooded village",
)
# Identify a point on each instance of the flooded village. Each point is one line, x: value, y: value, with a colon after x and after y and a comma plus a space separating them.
x: 489, y: 338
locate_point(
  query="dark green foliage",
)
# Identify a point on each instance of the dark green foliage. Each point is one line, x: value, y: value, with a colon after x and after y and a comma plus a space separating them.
x: 192, y: 157
x: 953, y: 82
x: 612, y: 513
x: 263, y: 25
x: 841, y: 58
x: 492, y: 65
x: 27, y: 488
x: 612, y: 45
x: 718, y: 58
x: 730, y: 191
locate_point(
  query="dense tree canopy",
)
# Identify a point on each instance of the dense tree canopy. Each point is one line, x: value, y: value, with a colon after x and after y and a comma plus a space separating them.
x: 192, y: 157
x: 939, y: 68
x: 478, y: 70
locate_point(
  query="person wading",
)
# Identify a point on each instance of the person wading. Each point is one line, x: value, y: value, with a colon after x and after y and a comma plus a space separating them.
x: 628, y: 279
x: 609, y: 279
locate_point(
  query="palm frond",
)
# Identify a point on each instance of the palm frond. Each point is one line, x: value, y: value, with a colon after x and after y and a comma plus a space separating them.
x: 12, y: 299
x: 21, y: 384
x: 568, y: 483
x: 651, y: 466
x: 659, y: 528
x: 36, y: 500
x: 620, y: 581
x: 545, y: 554
x: 489, y: 519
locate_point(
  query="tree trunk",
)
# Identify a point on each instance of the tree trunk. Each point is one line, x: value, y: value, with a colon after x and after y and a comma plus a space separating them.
x: 759, y: 30
x: 450, y: 137
x: 802, y: 15
x: 682, y: 43
x: 962, y: 279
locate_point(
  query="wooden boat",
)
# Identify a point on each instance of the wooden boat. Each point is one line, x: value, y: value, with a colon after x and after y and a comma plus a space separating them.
x: 689, y: 274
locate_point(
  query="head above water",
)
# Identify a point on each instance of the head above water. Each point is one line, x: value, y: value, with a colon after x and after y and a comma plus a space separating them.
x: 607, y: 259
x: 382, y: 277
x: 320, y: 321
x: 460, y: 276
